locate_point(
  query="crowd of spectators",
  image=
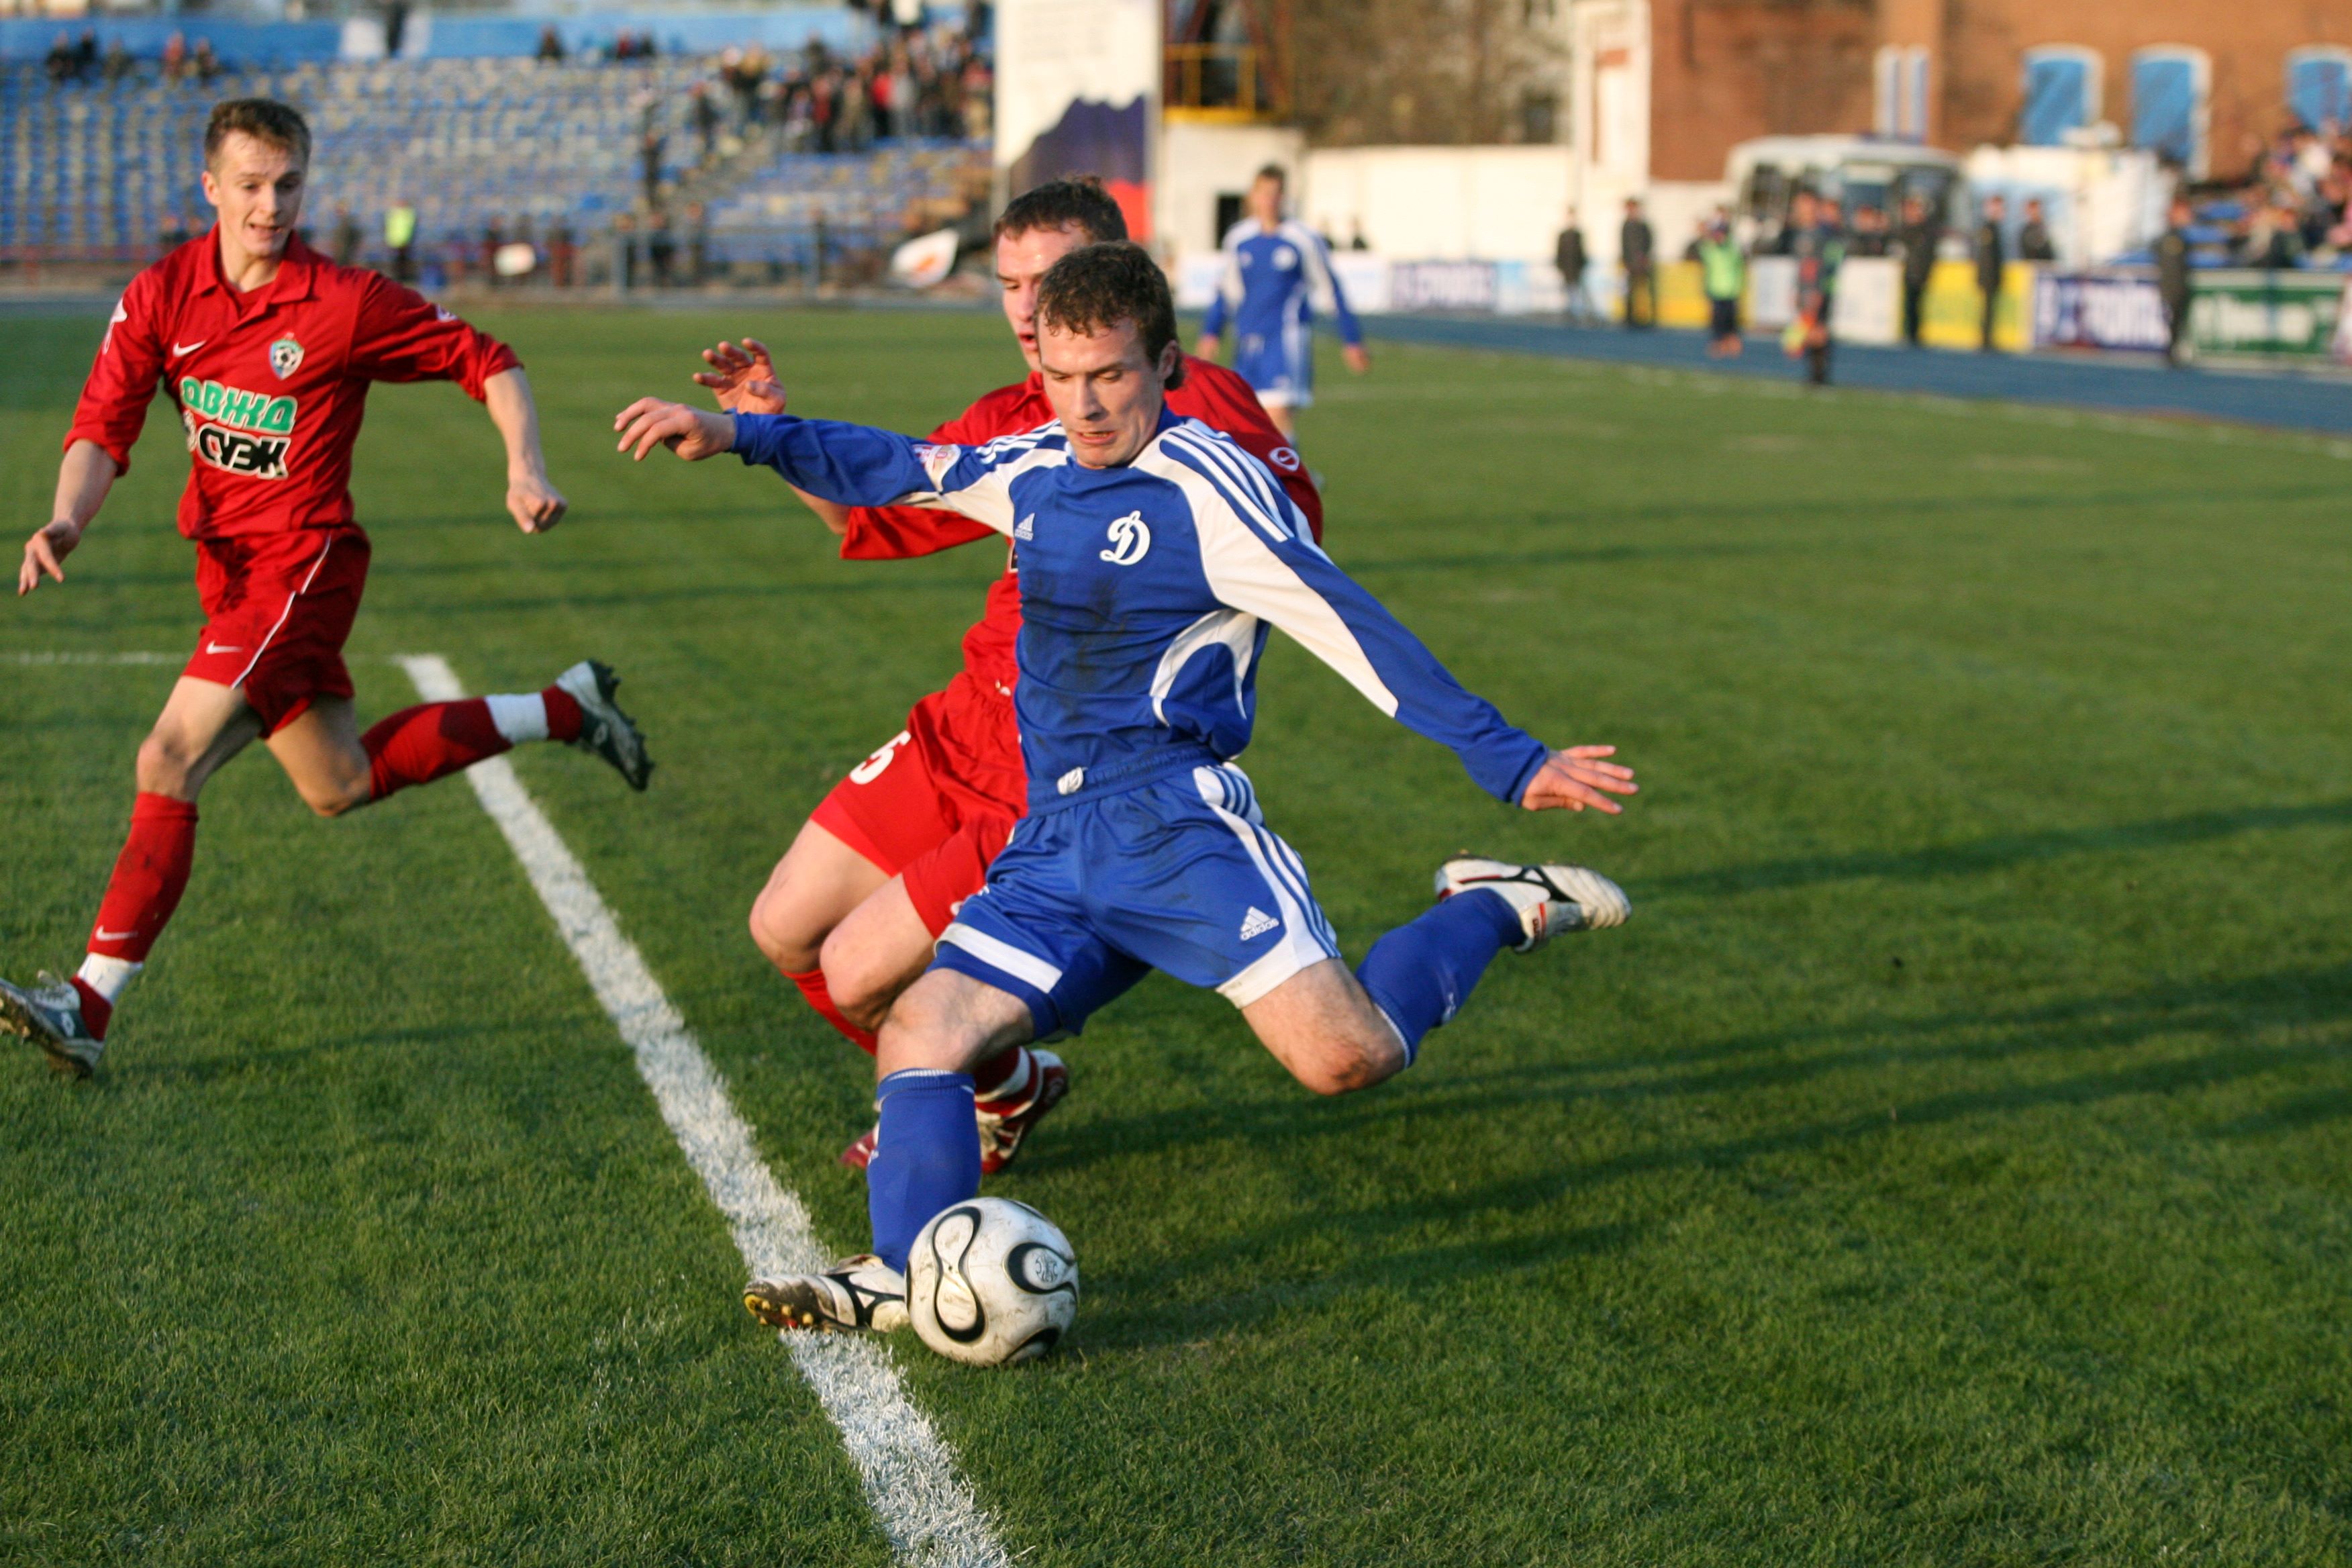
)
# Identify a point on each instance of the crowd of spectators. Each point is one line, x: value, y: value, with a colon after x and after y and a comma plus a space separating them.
x: 917, y: 84
x: 2295, y: 205
x: 72, y: 59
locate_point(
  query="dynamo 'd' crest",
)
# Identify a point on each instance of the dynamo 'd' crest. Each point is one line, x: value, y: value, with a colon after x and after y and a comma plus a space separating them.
x: 1130, y: 536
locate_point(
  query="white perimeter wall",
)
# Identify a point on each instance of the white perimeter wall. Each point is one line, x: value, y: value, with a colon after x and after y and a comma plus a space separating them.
x: 1440, y: 204
x: 1200, y: 163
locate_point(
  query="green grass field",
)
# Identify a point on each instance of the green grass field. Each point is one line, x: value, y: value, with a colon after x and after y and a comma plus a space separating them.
x: 1951, y: 1163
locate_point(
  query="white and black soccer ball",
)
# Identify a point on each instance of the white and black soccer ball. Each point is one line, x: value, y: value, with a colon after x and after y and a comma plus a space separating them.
x: 992, y: 1282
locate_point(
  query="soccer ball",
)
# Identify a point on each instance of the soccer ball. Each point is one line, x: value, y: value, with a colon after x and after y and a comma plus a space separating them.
x: 991, y: 1282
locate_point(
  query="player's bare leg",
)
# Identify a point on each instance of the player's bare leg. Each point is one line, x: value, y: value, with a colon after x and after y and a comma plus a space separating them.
x: 929, y: 1156
x: 1322, y: 1025
x: 334, y: 767
x: 322, y: 754
x: 813, y: 888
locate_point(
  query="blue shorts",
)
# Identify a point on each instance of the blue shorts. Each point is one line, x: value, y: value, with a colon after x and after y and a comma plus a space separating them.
x: 1280, y: 368
x: 1179, y: 874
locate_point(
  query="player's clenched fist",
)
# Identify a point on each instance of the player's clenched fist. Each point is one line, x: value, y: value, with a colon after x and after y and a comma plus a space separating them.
x: 692, y: 434
x: 1577, y: 778
x: 534, y: 503
x: 44, y: 553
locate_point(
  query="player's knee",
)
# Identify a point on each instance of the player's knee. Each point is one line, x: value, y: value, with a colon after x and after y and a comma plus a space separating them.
x: 783, y: 932
x: 1347, y: 1063
x: 862, y: 987
x: 164, y: 766
x: 335, y: 798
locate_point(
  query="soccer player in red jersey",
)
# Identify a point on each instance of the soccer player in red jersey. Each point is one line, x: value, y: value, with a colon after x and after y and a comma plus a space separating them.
x: 267, y: 350
x: 851, y: 913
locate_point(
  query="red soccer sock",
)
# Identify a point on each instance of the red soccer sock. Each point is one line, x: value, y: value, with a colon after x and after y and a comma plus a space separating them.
x: 150, y: 875
x: 563, y: 717
x: 417, y: 745
x: 97, y: 1012
x: 1006, y: 1072
x: 813, y: 986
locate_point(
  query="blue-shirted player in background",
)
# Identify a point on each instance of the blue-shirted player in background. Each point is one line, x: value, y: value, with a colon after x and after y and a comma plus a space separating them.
x: 1278, y: 275
x: 1153, y: 554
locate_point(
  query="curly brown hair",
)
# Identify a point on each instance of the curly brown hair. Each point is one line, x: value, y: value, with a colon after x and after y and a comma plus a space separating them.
x: 1097, y: 287
x: 266, y: 120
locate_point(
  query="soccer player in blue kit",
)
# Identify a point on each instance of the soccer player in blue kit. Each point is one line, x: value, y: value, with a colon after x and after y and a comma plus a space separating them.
x: 1278, y: 275
x: 1153, y: 554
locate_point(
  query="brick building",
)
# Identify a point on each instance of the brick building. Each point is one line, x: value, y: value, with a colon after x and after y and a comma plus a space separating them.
x: 1660, y: 90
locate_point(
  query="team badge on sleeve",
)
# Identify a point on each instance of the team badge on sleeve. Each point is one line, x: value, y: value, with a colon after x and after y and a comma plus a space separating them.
x: 936, y: 460
x: 285, y: 357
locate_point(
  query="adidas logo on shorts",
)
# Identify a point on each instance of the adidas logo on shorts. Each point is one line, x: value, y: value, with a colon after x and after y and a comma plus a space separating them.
x: 1256, y: 923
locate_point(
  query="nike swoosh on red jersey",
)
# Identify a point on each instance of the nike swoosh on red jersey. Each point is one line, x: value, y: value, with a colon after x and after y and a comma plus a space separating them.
x: 179, y: 349
x: 221, y: 647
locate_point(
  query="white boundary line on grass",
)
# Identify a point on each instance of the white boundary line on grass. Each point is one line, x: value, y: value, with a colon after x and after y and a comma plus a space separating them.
x: 929, y: 1514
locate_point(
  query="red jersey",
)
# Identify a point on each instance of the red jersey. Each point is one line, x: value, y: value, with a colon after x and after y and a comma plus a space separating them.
x: 271, y: 385
x: 1211, y: 393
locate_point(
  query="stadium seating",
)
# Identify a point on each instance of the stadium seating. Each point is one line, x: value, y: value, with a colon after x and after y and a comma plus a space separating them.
x: 97, y: 171
x: 851, y: 201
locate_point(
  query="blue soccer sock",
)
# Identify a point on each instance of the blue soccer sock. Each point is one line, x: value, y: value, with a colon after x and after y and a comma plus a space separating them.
x: 1421, y: 973
x: 926, y: 1158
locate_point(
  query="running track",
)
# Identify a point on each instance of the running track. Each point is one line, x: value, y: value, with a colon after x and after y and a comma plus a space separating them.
x: 2315, y: 403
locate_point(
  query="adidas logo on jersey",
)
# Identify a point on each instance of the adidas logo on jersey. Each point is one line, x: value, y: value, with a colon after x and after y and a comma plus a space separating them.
x: 1025, y: 528
x: 1256, y: 923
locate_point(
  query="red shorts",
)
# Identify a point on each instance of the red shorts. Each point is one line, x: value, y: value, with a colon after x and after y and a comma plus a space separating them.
x: 278, y: 608
x: 929, y: 806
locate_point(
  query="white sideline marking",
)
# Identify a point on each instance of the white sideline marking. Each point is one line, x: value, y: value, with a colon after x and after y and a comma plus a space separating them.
x: 928, y: 1513
x: 93, y: 658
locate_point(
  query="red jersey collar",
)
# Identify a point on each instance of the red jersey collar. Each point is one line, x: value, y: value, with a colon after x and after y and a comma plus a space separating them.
x: 297, y: 278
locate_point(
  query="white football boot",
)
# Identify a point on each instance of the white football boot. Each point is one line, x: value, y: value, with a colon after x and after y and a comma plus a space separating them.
x: 1549, y: 899
x: 860, y: 1292
x: 605, y: 730
x: 50, y: 1015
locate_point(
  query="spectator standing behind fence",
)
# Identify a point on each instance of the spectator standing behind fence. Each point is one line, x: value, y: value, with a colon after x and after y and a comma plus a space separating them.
x: 562, y: 252
x: 2034, y: 235
x: 399, y: 234
x: 2172, y: 280
x: 1723, y: 270
x: 1992, y: 260
x: 1568, y: 254
x: 347, y: 237
x: 697, y: 245
x: 625, y: 253
x: 702, y: 111
x: 551, y: 47
x: 1917, y: 238
x: 661, y: 250
x: 1637, y: 253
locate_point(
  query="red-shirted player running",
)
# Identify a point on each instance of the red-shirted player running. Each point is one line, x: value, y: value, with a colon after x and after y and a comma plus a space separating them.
x: 267, y: 350
x: 878, y: 871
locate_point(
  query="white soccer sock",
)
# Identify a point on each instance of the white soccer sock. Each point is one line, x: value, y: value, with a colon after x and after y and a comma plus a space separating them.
x: 107, y: 976
x: 519, y: 719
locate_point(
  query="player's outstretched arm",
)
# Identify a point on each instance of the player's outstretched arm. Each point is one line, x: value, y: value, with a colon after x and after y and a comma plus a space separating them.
x: 1577, y: 778
x: 534, y: 502
x: 83, y: 480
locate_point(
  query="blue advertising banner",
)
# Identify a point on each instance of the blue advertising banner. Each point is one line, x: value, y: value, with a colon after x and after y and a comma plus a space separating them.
x: 2097, y: 311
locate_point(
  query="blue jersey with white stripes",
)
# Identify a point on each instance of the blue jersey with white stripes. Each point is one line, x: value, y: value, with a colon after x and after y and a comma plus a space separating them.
x: 1273, y: 282
x: 1146, y: 593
